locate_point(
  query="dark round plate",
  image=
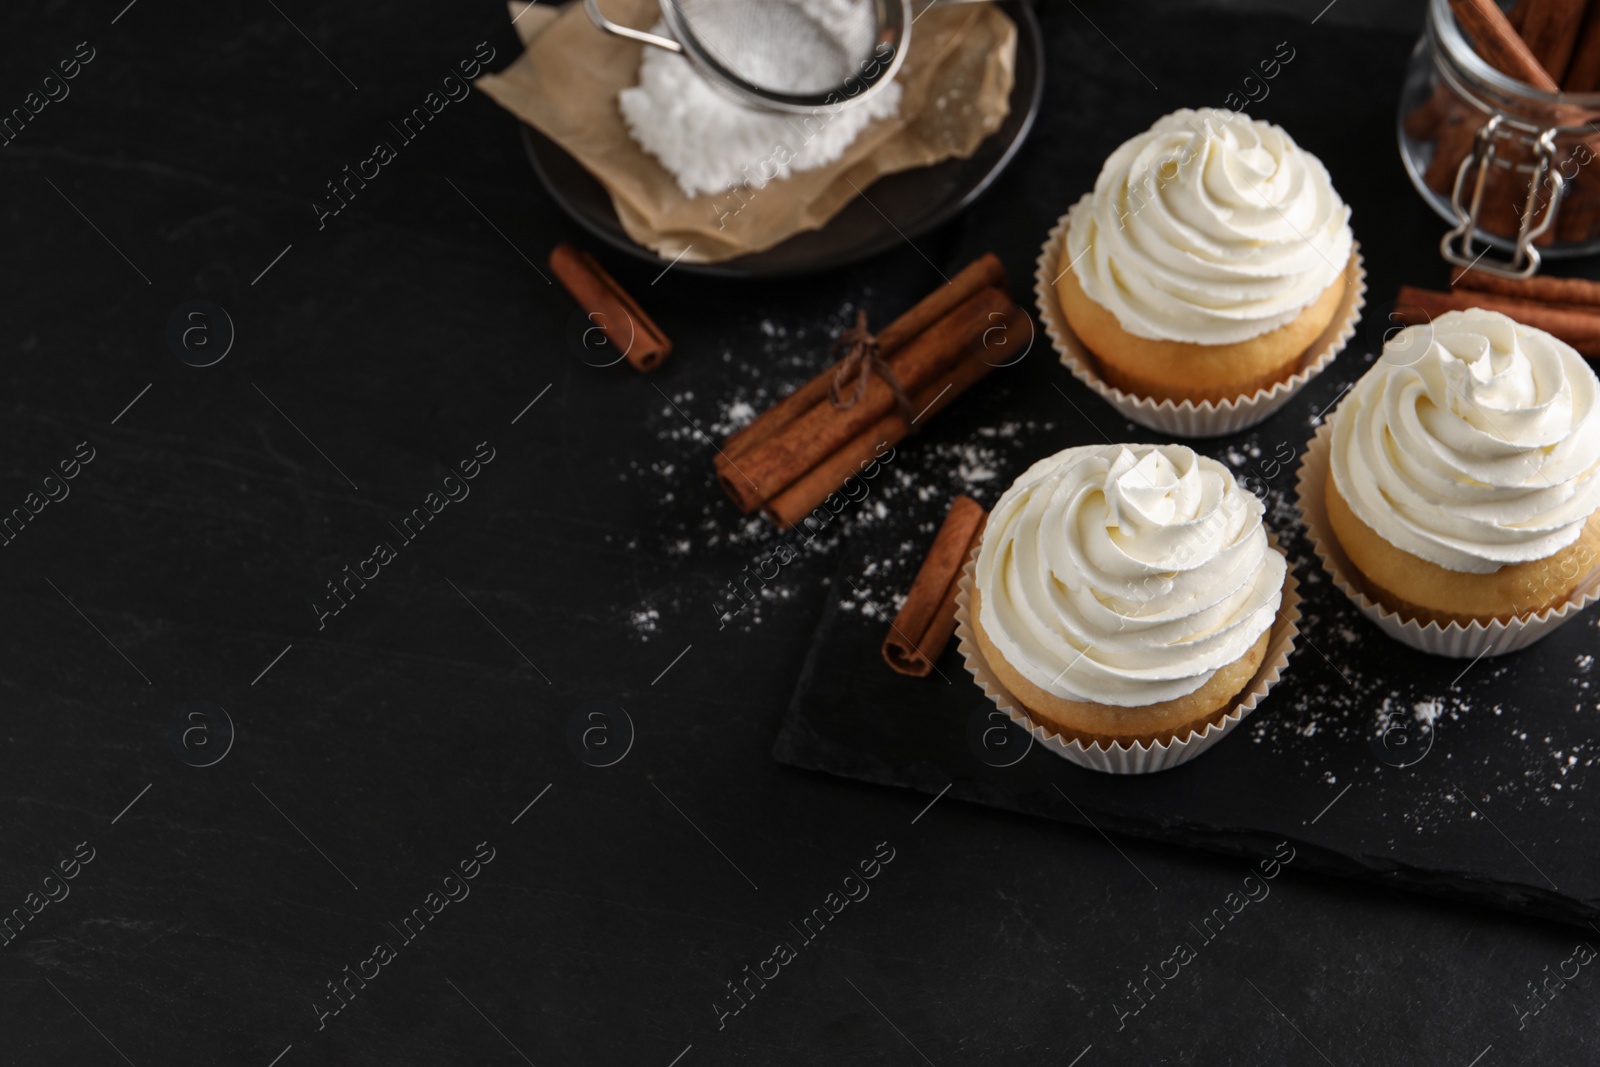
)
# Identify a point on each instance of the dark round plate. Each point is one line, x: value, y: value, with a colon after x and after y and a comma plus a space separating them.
x: 911, y: 202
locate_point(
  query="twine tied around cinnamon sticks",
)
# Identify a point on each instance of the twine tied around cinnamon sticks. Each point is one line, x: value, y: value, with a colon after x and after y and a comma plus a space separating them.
x: 860, y: 357
x: 789, y: 461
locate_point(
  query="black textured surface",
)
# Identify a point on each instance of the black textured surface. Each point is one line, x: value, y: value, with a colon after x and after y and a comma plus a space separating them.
x: 207, y: 925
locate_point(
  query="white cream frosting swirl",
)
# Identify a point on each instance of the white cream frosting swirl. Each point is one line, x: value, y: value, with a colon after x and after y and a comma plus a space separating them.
x: 1474, y: 442
x: 1210, y: 228
x: 1126, y: 574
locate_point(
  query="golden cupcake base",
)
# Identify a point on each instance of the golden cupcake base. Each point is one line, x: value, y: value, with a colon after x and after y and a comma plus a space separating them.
x: 1206, y: 418
x: 1428, y: 592
x: 1469, y: 641
x: 1105, y: 724
x: 1138, y: 757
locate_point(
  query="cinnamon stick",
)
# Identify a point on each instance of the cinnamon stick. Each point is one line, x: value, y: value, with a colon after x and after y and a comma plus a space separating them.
x: 1580, y: 329
x: 928, y: 617
x: 1583, y: 69
x: 610, y: 308
x: 1571, y: 293
x: 1517, y: 12
x: 1423, y: 121
x: 981, y: 273
x: 792, y: 506
x: 1579, y: 218
x: 1550, y: 29
x: 1498, y: 43
x: 766, y: 468
x: 1456, y: 131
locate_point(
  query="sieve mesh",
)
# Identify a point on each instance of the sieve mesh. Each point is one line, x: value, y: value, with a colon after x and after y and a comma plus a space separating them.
x: 786, y: 46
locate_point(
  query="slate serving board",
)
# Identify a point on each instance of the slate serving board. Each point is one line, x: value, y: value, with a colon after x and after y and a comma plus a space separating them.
x: 1471, y: 781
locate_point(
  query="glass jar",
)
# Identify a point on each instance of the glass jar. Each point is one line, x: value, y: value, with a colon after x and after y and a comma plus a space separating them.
x: 1508, y: 166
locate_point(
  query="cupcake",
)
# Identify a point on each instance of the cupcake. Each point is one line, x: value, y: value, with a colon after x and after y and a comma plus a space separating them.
x: 1463, y: 479
x: 1125, y: 594
x: 1211, y: 255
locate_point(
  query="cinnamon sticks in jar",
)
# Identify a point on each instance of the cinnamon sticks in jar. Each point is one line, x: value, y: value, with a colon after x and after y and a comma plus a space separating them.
x: 792, y: 456
x: 1499, y: 43
x: 609, y: 309
x: 1550, y: 30
x: 928, y: 617
x: 1550, y: 46
x: 1583, y: 71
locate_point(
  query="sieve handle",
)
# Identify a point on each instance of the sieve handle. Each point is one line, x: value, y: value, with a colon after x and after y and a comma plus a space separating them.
x: 617, y: 29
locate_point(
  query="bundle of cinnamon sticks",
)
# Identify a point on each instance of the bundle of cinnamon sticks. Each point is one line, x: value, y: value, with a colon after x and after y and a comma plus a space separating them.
x: 793, y: 456
x: 1569, y: 308
x: 1550, y: 45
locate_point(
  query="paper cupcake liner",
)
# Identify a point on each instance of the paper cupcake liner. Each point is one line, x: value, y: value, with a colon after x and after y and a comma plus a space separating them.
x: 1136, y: 758
x: 1208, y: 418
x: 1462, y: 642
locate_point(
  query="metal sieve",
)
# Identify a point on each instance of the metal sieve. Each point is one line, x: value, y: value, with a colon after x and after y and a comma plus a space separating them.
x: 797, y: 56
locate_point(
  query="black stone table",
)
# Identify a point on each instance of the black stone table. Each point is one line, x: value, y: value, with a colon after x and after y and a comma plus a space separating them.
x: 290, y: 780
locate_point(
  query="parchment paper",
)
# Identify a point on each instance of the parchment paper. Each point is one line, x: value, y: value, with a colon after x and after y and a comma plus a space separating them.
x: 956, y: 83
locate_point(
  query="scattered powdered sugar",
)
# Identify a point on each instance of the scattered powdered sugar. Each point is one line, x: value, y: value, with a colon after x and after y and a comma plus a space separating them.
x: 971, y: 466
x: 644, y: 622
x: 981, y: 468
x: 1337, y: 693
x: 693, y: 519
x: 880, y: 589
x: 1239, y: 458
x: 1426, y: 711
x: 1336, y: 698
x: 739, y: 415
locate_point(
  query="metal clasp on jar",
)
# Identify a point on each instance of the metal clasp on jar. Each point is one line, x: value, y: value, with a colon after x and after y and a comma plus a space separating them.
x: 1457, y: 245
